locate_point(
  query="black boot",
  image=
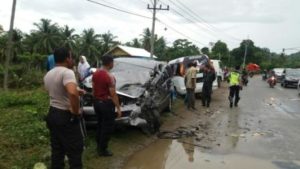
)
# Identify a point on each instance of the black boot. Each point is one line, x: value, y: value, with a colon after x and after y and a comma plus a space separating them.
x: 236, y: 101
x: 230, y: 101
x: 105, y: 153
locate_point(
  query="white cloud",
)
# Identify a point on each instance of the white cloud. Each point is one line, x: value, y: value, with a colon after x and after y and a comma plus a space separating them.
x: 270, y: 23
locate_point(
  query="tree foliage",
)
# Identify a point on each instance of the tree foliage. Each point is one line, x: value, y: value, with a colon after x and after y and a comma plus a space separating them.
x: 31, y: 49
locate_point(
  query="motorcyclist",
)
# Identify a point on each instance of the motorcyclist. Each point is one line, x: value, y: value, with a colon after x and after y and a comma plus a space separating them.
x: 272, y: 74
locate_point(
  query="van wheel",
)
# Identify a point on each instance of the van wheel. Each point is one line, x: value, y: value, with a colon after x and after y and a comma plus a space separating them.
x: 153, y: 123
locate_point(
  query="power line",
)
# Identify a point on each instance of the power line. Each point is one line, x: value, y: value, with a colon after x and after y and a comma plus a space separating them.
x: 198, y: 18
x: 190, y: 30
x: 135, y: 14
x: 120, y: 10
x: 208, y: 28
x: 175, y: 30
x: 189, y: 20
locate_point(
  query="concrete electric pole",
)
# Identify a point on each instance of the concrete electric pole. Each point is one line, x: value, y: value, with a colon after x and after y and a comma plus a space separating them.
x: 9, y: 45
x: 154, y: 8
x: 246, y: 48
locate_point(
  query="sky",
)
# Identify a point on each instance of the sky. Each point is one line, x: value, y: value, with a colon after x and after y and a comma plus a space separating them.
x: 273, y: 24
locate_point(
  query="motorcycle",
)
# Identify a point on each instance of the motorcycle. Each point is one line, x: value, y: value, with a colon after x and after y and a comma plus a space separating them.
x: 272, y: 81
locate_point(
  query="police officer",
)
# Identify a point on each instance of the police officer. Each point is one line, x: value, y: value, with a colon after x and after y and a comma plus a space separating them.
x: 235, y: 86
x: 106, y: 99
x: 62, y: 120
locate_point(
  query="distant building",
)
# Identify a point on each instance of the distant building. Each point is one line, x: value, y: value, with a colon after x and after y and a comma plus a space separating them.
x: 125, y: 51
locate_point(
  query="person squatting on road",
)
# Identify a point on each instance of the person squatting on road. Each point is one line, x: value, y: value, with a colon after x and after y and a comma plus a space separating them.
x: 235, y: 86
x: 63, y: 118
x: 106, y: 99
x: 190, y: 79
x: 209, y: 75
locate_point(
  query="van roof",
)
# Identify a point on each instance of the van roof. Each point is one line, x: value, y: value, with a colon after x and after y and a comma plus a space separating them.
x: 182, y: 59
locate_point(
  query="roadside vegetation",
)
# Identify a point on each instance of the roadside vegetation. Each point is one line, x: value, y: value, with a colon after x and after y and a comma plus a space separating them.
x: 24, y: 138
x: 31, y: 49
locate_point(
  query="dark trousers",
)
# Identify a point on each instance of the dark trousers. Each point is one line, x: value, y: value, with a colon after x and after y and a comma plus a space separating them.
x: 234, y: 94
x: 190, y: 95
x: 105, y: 111
x: 206, y: 95
x: 66, y: 139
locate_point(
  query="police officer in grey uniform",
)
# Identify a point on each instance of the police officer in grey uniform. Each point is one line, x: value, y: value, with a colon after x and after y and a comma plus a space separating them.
x: 63, y: 118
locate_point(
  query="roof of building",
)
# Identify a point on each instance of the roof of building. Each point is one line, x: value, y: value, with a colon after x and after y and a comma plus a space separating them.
x: 132, y: 51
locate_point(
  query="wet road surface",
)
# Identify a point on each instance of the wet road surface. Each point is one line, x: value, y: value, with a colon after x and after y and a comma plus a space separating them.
x: 263, y: 133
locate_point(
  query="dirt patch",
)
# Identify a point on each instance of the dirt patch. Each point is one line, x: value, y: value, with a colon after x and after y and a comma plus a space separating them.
x: 125, y: 143
x: 191, y: 128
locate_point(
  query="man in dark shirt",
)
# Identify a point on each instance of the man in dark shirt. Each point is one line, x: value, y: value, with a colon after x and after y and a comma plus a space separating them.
x: 106, y: 99
x: 209, y: 75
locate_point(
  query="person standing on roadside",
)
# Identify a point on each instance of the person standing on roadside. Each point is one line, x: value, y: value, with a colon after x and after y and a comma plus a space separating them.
x: 191, y: 85
x: 63, y: 118
x: 106, y: 99
x: 83, y: 68
x: 209, y: 75
x: 235, y: 86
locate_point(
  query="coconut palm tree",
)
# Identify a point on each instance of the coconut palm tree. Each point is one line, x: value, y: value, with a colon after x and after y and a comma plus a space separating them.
x: 46, y: 37
x: 146, y: 39
x: 108, y: 41
x: 17, y: 46
x: 1, y: 29
x: 90, y: 44
x: 68, y: 37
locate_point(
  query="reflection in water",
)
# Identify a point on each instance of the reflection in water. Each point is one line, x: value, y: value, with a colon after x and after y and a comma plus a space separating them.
x: 153, y: 157
x: 234, y: 127
x: 168, y: 154
x: 188, y: 146
x: 287, y: 165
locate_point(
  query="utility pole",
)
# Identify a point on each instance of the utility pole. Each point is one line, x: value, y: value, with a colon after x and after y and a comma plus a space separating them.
x: 153, y: 24
x: 246, y: 48
x: 9, y: 45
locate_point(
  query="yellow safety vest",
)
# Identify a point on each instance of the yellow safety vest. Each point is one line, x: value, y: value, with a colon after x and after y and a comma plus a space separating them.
x: 234, y: 79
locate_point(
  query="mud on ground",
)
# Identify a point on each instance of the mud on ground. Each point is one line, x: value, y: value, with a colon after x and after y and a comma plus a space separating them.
x: 127, y: 142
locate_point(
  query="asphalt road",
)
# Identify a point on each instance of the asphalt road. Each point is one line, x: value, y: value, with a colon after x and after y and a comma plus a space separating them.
x: 263, y: 133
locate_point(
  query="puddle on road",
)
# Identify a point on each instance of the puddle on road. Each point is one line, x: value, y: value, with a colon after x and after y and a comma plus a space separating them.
x: 171, y: 154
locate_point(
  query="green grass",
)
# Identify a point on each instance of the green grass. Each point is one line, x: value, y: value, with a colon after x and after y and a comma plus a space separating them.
x: 24, y: 137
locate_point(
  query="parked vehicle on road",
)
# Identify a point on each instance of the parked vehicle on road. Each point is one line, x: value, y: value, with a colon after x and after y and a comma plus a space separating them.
x: 143, y: 87
x: 298, y: 87
x: 291, y: 77
x: 179, y: 66
x: 279, y: 74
